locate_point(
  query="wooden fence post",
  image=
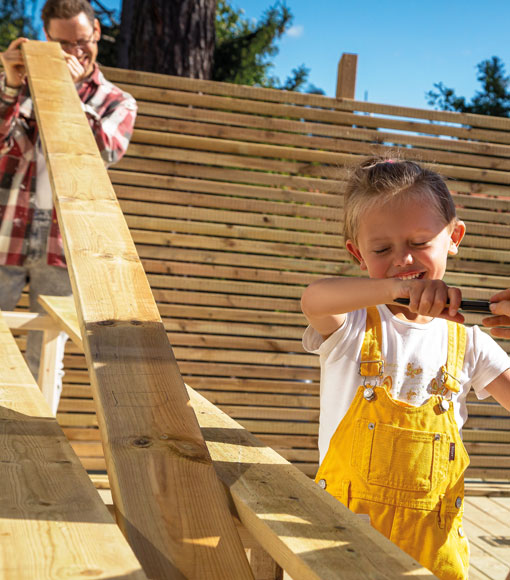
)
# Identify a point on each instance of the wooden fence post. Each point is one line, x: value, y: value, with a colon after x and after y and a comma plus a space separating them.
x: 346, y: 79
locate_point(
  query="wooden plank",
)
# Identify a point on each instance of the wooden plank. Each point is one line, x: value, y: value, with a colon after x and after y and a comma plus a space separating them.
x: 273, y: 130
x: 154, y: 168
x: 289, y: 515
x: 488, y: 532
x: 229, y: 241
x: 174, y: 511
x: 317, y: 108
x: 163, y: 143
x: 289, y: 552
x: 53, y: 523
x: 27, y: 321
x: 239, y: 211
x: 311, y: 142
x: 308, y: 100
x: 62, y: 311
x: 481, y: 551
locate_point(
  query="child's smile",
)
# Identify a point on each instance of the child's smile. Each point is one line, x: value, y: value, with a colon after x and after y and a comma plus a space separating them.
x: 408, y: 240
x: 411, y: 276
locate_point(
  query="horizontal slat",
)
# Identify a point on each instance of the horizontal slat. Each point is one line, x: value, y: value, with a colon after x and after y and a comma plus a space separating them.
x: 308, y: 100
x: 221, y: 124
x: 151, y: 103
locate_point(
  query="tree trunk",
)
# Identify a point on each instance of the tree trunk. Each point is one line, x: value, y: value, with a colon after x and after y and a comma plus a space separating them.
x: 174, y: 37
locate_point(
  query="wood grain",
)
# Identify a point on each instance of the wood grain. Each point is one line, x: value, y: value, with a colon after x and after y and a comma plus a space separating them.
x: 169, y: 503
x: 52, y: 522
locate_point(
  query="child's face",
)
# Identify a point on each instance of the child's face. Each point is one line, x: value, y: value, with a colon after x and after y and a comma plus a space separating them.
x: 405, y: 239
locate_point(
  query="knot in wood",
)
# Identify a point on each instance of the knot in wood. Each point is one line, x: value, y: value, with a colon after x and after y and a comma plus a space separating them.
x: 142, y: 442
x: 106, y: 322
x: 189, y: 450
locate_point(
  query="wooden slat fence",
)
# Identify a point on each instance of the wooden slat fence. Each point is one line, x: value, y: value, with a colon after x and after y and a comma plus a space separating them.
x: 233, y: 196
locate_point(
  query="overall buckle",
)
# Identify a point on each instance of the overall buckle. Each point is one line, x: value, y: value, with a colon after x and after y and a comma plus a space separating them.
x: 367, y: 362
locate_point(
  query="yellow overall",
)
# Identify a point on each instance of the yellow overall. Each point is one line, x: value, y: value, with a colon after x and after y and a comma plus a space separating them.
x: 403, y: 465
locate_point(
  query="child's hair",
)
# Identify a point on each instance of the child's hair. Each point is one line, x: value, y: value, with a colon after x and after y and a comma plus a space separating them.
x: 379, y: 180
x: 65, y: 9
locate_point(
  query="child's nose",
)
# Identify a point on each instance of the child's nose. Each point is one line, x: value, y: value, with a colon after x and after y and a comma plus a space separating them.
x: 404, y: 258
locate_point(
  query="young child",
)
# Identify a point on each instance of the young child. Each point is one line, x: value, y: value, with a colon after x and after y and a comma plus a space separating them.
x: 394, y: 379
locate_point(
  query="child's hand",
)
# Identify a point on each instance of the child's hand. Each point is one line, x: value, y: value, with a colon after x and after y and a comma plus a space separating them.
x: 500, y: 307
x: 432, y: 298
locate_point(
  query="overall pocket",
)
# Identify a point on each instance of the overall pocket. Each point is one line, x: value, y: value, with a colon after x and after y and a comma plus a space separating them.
x: 399, y: 458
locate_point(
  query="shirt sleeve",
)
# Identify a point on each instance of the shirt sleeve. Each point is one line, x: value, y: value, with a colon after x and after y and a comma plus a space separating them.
x: 313, y: 342
x: 113, y: 129
x: 486, y: 360
x: 8, y: 114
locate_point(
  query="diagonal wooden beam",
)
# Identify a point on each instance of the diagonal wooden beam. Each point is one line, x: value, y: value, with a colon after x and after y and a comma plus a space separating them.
x: 53, y: 524
x: 308, y: 532
x: 169, y: 501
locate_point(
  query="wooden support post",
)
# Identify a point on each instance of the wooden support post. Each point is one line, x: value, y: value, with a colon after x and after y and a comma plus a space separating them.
x: 263, y: 565
x: 53, y: 523
x: 346, y: 78
x: 48, y: 368
x: 168, y: 500
x: 62, y: 312
x: 50, y: 351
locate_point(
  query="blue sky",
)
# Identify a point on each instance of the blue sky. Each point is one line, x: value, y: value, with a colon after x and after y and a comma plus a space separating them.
x: 403, y: 47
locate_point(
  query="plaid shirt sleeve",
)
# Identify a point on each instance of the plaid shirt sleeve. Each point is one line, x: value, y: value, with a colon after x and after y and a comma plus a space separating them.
x: 15, y: 135
x: 111, y: 113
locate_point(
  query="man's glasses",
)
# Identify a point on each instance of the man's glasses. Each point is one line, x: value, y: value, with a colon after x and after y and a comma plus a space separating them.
x: 70, y: 46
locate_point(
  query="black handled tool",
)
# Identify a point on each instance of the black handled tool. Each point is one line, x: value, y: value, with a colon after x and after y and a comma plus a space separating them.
x: 480, y: 306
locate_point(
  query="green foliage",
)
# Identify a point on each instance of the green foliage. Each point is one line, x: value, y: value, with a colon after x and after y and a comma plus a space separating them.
x: 15, y: 21
x: 493, y: 98
x: 244, y: 48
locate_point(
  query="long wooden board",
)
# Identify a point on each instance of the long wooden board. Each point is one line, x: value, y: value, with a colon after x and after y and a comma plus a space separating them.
x: 305, y: 530
x: 169, y: 502
x: 53, y: 524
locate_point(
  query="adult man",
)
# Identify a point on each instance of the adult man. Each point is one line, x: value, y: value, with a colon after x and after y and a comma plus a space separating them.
x: 31, y: 248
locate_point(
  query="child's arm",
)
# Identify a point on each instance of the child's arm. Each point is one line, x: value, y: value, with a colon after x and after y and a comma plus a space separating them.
x: 500, y: 307
x: 326, y: 302
x: 500, y: 389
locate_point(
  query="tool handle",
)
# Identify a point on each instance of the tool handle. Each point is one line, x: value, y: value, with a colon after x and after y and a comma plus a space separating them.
x: 479, y: 306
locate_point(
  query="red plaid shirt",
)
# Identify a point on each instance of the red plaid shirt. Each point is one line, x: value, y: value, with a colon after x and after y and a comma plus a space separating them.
x: 111, y: 114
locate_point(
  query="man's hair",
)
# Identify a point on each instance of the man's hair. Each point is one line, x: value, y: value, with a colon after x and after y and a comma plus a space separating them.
x: 378, y: 180
x: 65, y: 9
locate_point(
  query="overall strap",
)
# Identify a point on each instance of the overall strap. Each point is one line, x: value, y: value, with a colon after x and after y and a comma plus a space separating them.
x: 371, y: 364
x: 455, y: 360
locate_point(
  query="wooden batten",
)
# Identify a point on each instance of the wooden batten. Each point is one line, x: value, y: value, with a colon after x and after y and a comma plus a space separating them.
x: 168, y: 500
x: 52, y: 521
x: 306, y: 531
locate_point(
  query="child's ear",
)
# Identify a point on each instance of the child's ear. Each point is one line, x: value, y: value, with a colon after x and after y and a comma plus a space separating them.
x: 354, y: 251
x: 456, y: 237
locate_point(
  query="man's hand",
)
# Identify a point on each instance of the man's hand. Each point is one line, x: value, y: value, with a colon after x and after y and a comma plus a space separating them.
x: 75, y: 67
x: 12, y: 61
x: 500, y: 307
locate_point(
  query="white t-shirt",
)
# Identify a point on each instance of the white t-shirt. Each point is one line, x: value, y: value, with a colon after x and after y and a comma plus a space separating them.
x: 413, y: 355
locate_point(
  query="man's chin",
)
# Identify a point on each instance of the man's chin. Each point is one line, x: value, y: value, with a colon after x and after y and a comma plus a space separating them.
x: 88, y: 67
